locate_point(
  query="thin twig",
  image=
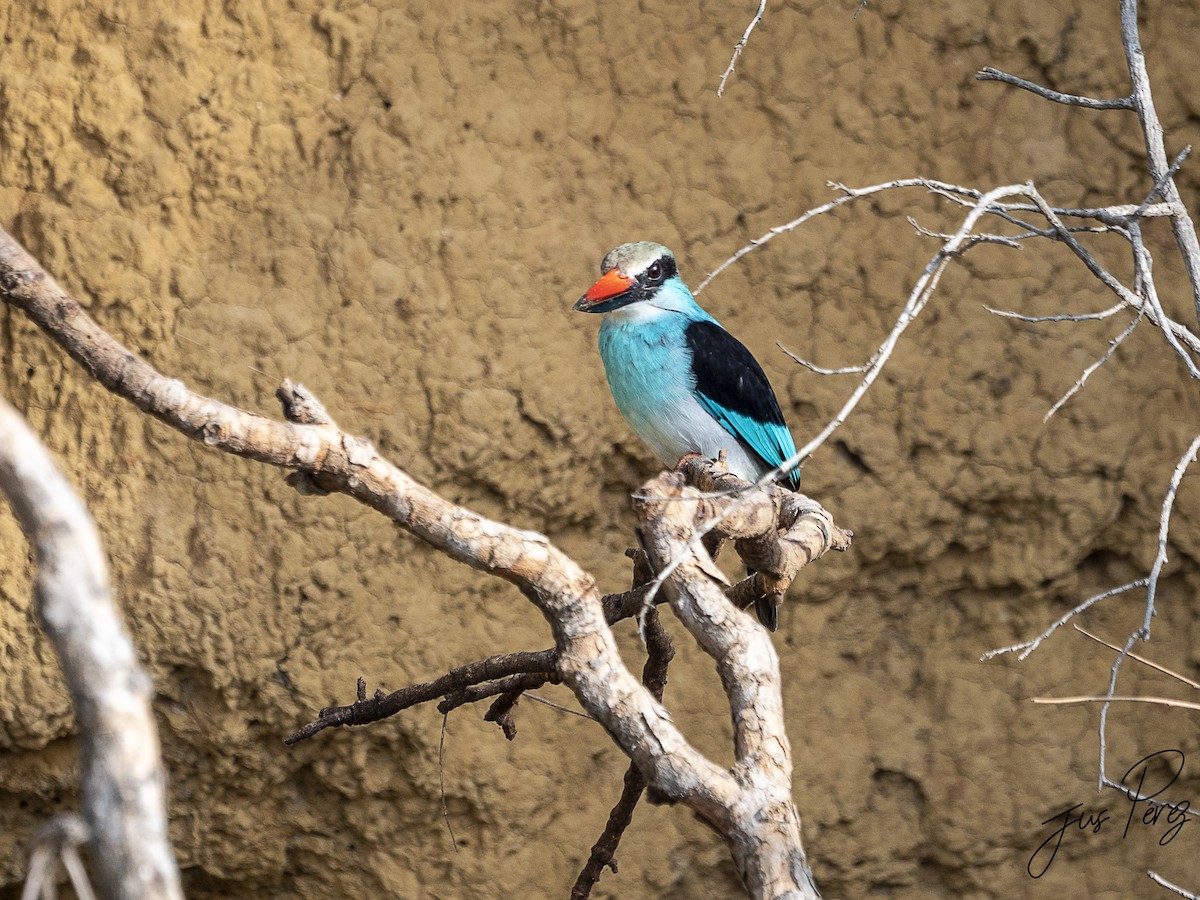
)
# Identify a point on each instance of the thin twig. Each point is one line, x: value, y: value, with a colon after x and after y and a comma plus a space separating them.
x: 1027, y: 647
x: 1102, y: 726
x: 1087, y: 373
x: 1160, y: 184
x: 1162, y: 882
x: 365, y: 711
x: 741, y: 45
x: 1143, y: 660
x: 1162, y: 701
x: 1006, y: 240
x: 550, y: 703
x: 1164, y: 524
x: 813, y: 367
x: 990, y: 74
x: 442, y: 781
x: 1061, y: 317
x: 1156, y: 153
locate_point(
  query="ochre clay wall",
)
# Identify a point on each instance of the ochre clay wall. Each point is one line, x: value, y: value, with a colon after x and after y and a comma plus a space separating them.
x: 396, y: 203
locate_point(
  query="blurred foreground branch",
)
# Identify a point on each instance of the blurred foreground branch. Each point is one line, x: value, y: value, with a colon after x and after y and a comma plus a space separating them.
x: 121, y: 772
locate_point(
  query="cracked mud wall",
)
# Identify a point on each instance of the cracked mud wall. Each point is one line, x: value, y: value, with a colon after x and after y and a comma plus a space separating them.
x: 396, y: 204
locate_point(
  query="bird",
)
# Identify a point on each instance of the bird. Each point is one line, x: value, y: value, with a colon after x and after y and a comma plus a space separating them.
x: 682, y: 382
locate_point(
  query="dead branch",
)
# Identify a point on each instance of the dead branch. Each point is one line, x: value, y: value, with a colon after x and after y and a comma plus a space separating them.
x: 741, y: 45
x: 788, y: 531
x: 671, y: 514
x: 751, y: 804
x: 990, y: 74
x: 121, y: 774
x: 1156, y: 153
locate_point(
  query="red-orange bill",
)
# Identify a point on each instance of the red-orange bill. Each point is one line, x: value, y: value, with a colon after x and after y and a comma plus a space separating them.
x: 610, y: 285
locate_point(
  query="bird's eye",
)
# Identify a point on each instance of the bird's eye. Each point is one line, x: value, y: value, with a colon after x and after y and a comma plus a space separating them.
x: 655, y: 271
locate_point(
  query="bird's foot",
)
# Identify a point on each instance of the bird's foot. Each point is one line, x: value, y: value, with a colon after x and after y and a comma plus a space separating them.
x: 684, y: 459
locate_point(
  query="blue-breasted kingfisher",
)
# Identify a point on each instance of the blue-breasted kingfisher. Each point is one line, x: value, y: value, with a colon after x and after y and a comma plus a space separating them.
x: 682, y: 382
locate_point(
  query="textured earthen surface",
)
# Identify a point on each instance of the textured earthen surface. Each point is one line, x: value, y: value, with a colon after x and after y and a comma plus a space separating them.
x: 396, y: 204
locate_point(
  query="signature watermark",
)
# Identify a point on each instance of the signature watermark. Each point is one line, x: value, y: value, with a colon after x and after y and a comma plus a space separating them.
x: 1144, y: 807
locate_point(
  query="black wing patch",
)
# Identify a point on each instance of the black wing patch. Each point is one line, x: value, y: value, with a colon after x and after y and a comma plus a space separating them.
x: 731, y: 385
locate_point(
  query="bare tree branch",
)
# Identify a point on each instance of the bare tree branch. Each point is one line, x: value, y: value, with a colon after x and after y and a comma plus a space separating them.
x: 1156, y: 153
x: 1143, y: 660
x: 1087, y: 373
x: 1162, y: 882
x: 990, y: 74
x: 745, y: 659
x: 121, y: 772
x: 741, y: 45
x: 750, y: 805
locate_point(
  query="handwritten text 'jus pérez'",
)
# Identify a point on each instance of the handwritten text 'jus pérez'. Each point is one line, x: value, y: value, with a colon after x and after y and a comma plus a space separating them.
x: 1145, y: 810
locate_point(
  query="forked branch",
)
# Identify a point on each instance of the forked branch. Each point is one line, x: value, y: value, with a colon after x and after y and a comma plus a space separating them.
x: 751, y: 804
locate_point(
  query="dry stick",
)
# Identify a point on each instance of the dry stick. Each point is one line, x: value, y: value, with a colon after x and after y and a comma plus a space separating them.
x: 122, y: 781
x: 990, y: 74
x: 513, y: 687
x: 1162, y: 701
x: 1087, y: 373
x: 1061, y: 317
x: 1162, y: 882
x: 1143, y: 660
x: 457, y: 681
x: 1164, y: 520
x: 1024, y: 648
x: 741, y: 45
x: 820, y: 370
